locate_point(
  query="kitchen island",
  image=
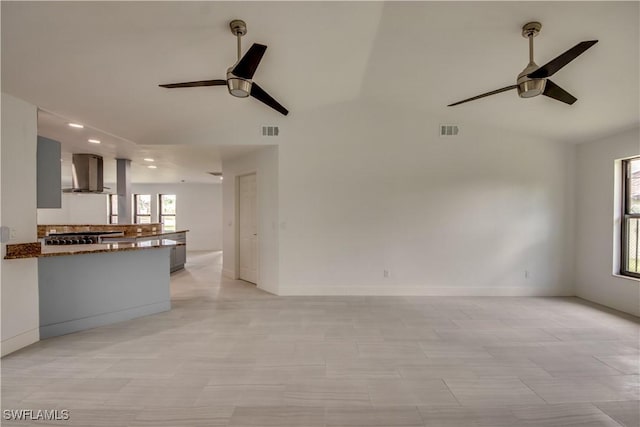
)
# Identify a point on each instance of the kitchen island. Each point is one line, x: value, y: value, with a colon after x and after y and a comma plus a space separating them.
x: 178, y: 255
x: 85, y: 286
x: 132, y: 233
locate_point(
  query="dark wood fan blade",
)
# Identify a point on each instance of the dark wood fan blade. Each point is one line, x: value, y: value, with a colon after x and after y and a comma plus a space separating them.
x: 493, y: 92
x: 196, y: 84
x: 248, y: 64
x: 554, y: 91
x: 258, y: 93
x: 551, y: 67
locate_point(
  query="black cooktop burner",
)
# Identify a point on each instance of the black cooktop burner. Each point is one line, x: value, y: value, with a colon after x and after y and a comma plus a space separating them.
x: 78, y: 238
x: 71, y: 240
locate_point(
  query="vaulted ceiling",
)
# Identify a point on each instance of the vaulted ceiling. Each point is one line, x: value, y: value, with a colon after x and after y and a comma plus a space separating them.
x: 101, y: 62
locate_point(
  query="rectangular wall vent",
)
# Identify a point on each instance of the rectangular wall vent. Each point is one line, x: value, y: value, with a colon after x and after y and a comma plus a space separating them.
x: 449, y: 130
x: 270, y: 130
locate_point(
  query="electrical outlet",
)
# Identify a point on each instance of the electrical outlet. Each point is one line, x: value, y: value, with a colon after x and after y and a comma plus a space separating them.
x: 13, y: 234
x: 526, y: 274
x: 386, y: 273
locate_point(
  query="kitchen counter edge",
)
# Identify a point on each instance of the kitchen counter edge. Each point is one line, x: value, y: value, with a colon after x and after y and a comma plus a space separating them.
x: 50, y: 251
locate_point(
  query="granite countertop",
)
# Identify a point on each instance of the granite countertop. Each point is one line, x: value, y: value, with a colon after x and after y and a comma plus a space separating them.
x: 50, y: 250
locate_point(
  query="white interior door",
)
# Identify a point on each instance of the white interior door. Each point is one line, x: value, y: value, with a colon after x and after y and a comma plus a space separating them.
x: 248, y: 228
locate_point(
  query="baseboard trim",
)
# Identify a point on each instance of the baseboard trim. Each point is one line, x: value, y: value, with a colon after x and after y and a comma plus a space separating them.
x: 19, y: 341
x: 229, y: 274
x: 421, y: 291
x: 68, y: 327
x: 615, y: 305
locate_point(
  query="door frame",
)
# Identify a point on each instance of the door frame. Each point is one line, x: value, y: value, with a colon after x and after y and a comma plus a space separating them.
x: 237, y: 227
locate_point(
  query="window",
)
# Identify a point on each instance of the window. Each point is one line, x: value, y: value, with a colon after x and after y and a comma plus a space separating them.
x: 630, y: 263
x: 113, y: 208
x: 167, y: 204
x: 142, y: 208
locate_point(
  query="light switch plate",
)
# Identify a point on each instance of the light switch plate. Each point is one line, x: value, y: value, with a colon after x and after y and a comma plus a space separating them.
x: 5, y: 234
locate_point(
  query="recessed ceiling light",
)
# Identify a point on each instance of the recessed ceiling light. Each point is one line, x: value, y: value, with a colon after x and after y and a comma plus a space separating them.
x: 76, y: 125
x: 94, y: 141
x: 221, y: 178
x: 152, y: 167
x: 148, y: 159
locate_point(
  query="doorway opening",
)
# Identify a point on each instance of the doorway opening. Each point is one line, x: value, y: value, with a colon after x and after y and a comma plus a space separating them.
x: 247, y: 221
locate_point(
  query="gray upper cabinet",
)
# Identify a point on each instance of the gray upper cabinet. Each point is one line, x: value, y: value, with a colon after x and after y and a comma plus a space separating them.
x: 49, y: 173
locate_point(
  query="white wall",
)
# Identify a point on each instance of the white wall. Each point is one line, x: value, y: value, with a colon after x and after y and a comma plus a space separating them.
x: 19, y: 277
x: 77, y: 208
x: 364, y: 189
x: 199, y: 209
x: 264, y: 163
x: 598, y: 221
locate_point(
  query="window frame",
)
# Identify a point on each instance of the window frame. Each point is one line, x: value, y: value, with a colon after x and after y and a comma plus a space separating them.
x: 625, y: 216
x: 111, y: 214
x: 136, y: 215
x: 161, y: 216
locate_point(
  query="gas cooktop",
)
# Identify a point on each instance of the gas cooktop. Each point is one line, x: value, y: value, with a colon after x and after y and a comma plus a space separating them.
x: 79, y: 238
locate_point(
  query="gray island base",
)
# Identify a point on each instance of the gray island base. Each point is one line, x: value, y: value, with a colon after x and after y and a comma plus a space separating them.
x: 83, y: 291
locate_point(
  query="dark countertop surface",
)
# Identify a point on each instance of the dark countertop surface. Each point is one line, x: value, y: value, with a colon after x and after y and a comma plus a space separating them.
x: 51, y: 250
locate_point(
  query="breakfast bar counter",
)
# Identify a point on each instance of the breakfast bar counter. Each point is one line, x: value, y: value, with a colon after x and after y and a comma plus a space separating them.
x: 85, y: 281
x: 89, y: 285
x: 36, y: 251
x: 93, y: 285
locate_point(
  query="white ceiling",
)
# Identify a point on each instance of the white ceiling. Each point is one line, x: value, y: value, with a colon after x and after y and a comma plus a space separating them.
x: 100, y: 63
x: 174, y: 163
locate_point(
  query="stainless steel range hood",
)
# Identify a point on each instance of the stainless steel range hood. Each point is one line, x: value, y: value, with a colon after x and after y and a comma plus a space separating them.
x: 86, y: 173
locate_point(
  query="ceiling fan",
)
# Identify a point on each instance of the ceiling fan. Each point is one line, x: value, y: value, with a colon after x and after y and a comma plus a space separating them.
x: 239, y: 76
x: 534, y: 80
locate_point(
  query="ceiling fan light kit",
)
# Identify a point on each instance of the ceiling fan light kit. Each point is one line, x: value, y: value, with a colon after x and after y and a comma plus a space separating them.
x: 240, y: 88
x: 533, y: 80
x: 239, y: 76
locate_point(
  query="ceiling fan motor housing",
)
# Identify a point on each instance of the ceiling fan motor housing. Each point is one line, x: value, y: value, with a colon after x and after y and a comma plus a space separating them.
x: 528, y: 87
x: 238, y: 87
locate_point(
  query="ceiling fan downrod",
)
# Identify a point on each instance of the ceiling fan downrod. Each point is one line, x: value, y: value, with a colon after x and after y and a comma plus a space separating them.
x: 240, y: 87
x: 530, y: 48
x: 531, y: 30
x: 238, y: 29
x: 528, y: 87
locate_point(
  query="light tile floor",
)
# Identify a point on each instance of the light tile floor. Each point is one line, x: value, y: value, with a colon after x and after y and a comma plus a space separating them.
x: 228, y: 354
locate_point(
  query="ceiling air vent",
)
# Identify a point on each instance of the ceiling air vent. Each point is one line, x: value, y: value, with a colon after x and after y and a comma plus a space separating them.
x: 270, y: 130
x: 449, y: 130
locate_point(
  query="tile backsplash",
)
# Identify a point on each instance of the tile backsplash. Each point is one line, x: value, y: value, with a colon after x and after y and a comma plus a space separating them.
x: 128, y: 229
